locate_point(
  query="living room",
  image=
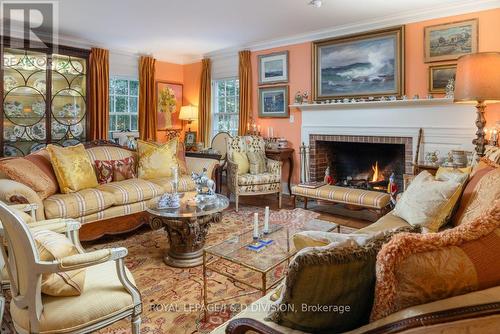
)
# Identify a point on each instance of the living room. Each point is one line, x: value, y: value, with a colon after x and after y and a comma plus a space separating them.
x: 305, y: 166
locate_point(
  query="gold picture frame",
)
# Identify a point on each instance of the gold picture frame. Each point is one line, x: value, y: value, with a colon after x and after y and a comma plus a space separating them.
x: 388, y: 80
x: 449, y: 41
x: 439, y: 76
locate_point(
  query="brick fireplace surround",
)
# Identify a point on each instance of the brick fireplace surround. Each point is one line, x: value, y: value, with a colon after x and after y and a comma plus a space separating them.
x: 318, y: 155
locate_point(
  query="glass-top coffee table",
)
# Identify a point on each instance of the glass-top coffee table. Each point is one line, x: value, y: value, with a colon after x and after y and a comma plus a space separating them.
x: 187, y: 227
x: 260, y: 270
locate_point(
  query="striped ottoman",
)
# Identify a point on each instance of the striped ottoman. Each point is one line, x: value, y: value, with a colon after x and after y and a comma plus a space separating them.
x: 373, y: 200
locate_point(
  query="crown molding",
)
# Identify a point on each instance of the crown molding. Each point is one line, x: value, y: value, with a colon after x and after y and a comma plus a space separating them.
x: 465, y: 7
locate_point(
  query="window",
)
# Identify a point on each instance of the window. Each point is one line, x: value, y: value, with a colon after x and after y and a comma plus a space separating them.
x: 123, y: 104
x: 226, y: 106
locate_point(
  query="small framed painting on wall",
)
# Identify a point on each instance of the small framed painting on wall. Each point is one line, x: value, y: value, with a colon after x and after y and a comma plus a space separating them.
x: 273, y: 68
x: 439, y: 76
x: 273, y: 101
x: 450, y: 40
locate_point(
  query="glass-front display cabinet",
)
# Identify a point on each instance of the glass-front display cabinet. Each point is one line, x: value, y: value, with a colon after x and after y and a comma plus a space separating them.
x: 44, y: 99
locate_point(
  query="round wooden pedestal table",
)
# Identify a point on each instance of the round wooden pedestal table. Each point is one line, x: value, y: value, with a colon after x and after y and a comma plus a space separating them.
x: 187, y: 227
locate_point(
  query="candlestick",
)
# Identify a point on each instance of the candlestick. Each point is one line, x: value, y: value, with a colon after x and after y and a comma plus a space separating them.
x: 266, y: 220
x: 256, y: 225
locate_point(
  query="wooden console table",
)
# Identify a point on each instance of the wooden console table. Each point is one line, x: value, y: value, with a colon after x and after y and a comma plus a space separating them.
x: 283, y: 154
x: 218, y: 169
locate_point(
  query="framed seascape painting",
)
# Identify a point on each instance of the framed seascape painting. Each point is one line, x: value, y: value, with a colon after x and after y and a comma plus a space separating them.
x: 168, y: 104
x: 450, y: 41
x: 439, y: 76
x: 273, y: 68
x: 363, y: 65
x: 273, y: 101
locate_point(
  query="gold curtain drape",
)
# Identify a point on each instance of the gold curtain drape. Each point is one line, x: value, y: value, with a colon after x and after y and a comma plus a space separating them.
x: 147, y: 107
x: 204, y: 115
x: 245, y: 77
x: 99, y: 93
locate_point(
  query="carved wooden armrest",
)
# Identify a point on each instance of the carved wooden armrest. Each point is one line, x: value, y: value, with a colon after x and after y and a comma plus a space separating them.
x: 243, y: 325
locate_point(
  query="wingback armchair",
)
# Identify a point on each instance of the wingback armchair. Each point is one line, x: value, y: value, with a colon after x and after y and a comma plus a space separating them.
x: 244, y: 183
x: 109, y: 292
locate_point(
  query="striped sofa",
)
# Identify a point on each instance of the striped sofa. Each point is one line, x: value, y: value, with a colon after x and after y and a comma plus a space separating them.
x: 109, y: 208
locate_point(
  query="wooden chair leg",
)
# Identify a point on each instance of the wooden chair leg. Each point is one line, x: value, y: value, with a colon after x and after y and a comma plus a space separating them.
x: 279, y: 200
x: 136, y: 325
x: 236, y: 200
x: 305, y: 203
x: 294, y: 199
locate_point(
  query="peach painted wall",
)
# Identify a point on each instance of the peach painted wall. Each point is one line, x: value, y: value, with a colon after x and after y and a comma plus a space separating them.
x: 299, y: 76
x: 189, y: 76
x: 416, y: 72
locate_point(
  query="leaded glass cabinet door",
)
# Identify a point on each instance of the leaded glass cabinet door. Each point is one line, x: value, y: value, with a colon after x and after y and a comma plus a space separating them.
x: 69, y: 103
x: 24, y: 102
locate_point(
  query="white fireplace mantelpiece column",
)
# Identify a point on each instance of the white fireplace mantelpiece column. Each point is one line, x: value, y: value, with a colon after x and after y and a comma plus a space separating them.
x: 446, y: 125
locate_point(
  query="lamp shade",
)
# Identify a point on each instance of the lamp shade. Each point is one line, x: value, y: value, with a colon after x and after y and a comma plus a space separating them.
x: 478, y: 78
x: 188, y: 113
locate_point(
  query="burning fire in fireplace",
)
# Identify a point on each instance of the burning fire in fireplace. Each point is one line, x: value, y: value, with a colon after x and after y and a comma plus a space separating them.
x: 377, y: 175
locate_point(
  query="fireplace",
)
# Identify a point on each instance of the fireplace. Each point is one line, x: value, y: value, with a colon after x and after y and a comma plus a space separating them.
x: 364, y: 162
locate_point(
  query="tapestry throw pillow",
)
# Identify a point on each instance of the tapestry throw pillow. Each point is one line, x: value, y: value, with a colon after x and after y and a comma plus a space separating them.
x: 482, y: 189
x: 241, y: 159
x: 156, y: 160
x: 418, y: 269
x: 330, y: 289
x: 53, y: 246
x: 428, y: 202
x: 115, y: 170
x: 34, y: 170
x: 257, y: 161
x: 72, y: 167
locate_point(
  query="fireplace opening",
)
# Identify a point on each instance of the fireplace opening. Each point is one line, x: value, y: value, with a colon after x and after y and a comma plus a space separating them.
x: 364, y: 165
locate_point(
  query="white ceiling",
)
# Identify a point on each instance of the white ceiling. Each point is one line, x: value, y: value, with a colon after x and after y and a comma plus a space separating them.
x: 183, y: 31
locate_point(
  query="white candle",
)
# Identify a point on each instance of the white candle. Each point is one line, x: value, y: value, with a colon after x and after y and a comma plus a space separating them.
x: 268, y: 132
x: 272, y: 132
x: 256, y: 225
x: 266, y: 220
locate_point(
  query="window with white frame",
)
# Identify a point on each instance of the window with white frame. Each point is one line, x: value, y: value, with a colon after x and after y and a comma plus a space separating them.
x: 226, y: 105
x: 123, y: 104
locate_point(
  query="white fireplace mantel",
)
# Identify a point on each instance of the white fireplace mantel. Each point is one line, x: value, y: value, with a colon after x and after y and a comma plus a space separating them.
x: 445, y: 125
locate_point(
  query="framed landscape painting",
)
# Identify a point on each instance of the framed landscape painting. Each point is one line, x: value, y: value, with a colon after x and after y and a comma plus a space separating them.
x: 273, y: 68
x: 273, y: 101
x: 363, y: 65
x: 450, y: 41
x: 439, y: 77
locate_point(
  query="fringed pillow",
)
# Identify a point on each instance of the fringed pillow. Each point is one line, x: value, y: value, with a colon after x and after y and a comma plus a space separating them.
x: 417, y: 269
x: 330, y: 289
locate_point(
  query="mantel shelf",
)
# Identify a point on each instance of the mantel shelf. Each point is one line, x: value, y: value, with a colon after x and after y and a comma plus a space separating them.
x: 371, y: 104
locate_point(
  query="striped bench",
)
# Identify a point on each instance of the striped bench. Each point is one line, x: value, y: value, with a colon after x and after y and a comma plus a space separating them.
x: 372, y: 200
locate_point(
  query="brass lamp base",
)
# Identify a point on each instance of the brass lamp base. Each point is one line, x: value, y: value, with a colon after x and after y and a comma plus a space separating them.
x: 480, y: 140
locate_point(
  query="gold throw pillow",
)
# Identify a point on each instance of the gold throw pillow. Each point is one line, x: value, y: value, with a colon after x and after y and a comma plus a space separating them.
x: 53, y: 246
x: 156, y: 160
x: 241, y: 159
x: 72, y: 167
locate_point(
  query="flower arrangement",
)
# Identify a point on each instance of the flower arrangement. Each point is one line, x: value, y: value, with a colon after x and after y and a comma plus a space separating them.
x: 167, y: 100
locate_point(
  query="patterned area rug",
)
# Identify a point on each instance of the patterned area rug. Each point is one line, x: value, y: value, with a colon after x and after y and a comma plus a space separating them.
x: 173, y: 298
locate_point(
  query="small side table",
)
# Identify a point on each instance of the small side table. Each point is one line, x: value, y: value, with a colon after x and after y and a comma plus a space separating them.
x: 421, y: 166
x: 283, y: 154
x: 218, y: 169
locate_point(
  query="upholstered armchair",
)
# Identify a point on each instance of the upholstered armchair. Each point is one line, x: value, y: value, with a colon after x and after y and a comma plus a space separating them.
x: 108, y: 295
x: 241, y: 180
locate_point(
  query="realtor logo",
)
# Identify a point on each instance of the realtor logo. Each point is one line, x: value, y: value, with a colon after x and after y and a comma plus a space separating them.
x: 30, y: 24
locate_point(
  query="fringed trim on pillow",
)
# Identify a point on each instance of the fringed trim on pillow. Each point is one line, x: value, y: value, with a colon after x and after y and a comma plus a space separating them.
x: 405, y: 244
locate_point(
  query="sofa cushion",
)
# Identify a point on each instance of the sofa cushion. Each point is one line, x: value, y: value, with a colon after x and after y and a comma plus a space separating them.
x: 115, y: 211
x: 264, y: 178
x: 77, y: 204
x: 185, y: 183
x: 428, y: 202
x: 34, y: 170
x: 416, y: 269
x: 103, y: 295
x: 480, y: 192
x: 156, y: 160
x: 109, y: 153
x: 131, y: 191
x: 72, y: 167
x: 54, y: 246
x: 340, y: 277
x: 385, y: 223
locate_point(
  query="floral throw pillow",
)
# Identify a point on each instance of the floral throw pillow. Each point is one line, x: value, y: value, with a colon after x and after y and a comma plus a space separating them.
x: 115, y: 170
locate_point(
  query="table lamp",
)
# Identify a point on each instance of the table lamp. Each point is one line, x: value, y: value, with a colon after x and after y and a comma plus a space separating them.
x: 478, y: 81
x: 189, y: 114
